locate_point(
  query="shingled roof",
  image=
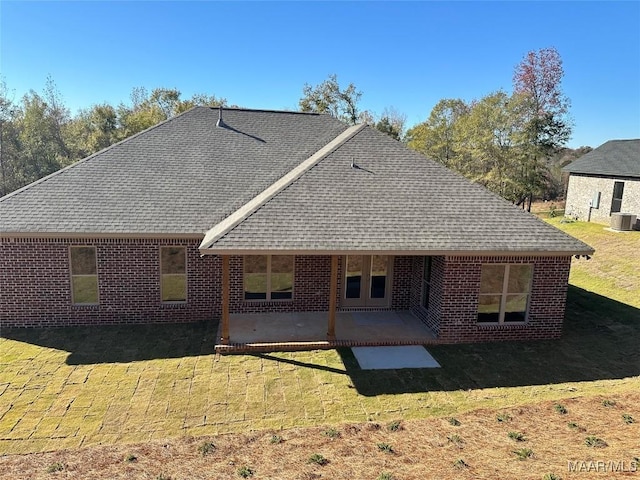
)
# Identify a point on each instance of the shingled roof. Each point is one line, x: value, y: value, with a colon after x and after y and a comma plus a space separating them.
x: 276, y: 181
x: 179, y: 177
x: 620, y: 158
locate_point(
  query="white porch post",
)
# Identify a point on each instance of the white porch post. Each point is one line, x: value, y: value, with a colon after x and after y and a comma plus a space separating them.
x: 333, y: 294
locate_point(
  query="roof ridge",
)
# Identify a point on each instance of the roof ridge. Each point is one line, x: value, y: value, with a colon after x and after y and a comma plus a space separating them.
x: 265, y: 110
x: 246, y: 210
x: 90, y: 157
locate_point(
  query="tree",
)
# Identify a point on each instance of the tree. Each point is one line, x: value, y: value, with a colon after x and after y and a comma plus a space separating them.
x: 147, y: 110
x: 9, y: 141
x: 92, y: 130
x: 40, y: 124
x: 537, y: 82
x: 438, y: 136
x: 392, y: 123
x: 328, y: 97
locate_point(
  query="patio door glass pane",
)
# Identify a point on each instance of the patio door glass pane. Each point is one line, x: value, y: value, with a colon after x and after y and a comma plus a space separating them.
x: 353, y: 276
x: 379, y: 265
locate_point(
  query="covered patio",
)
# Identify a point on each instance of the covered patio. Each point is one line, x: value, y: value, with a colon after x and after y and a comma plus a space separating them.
x: 308, y: 330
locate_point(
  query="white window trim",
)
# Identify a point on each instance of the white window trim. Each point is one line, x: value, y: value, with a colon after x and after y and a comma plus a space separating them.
x: 268, y: 292
x: 185, y: 275
x: 504, y: 294
x: 72, y: 275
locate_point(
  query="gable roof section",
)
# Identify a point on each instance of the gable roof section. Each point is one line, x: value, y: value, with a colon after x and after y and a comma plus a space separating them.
x: 393, y: 200
x: 620, y: 158
x: 177, y: 178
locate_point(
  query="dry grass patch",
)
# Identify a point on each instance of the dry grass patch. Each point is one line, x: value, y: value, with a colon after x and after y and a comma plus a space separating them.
x: 479, y: 447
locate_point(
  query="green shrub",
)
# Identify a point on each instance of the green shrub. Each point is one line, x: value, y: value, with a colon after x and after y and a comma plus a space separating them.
x: 503, y: 417
x: 206, y: 448
x: 394, y: 426
x: 454, y: 421
x: 456, y: 440
x: 550, y: 476
x: 385, y: 447
x: 245, y: 472
x: 385, y: 476
x: 628, y: 419
x: 517, y: 436
x: 523, y: 453
x: 275, y: 439
x: 594, y: 442
x: 318, y: 459
x: 561, y: 409
x: 460, y: 463
x: 608, y: 403
x: 55, y: 467
x: 332, y: 433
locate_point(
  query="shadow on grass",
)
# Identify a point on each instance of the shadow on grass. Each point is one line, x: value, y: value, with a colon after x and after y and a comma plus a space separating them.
x: 122, y: 343
x: 601, y: 341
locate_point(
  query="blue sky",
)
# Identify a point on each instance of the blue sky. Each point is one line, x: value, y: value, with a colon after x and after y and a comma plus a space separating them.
x: 405, y: 55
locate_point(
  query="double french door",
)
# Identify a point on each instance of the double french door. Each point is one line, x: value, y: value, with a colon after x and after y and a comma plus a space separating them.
x: 367, y: 280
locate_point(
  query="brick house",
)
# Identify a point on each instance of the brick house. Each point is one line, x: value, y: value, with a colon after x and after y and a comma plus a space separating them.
x: 605, y: 181
x: 233, y: 211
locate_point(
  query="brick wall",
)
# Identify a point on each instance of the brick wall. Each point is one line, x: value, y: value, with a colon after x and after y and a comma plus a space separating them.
x: 35, y: 284
x: 461, y: 283
x: 310, y: 288
x: 35, y: 288
x: 582, y: 188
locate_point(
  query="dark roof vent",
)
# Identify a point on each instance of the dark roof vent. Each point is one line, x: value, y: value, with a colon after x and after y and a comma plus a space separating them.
x: 220, y: 123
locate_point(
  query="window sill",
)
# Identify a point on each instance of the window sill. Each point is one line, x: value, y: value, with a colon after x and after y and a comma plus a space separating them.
x: 503, y: 326
x: 173, y: 304
x: 86, y: 306
x: 267, y: 302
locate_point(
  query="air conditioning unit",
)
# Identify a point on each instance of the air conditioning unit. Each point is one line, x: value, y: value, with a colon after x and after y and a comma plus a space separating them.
x: 622, y: 221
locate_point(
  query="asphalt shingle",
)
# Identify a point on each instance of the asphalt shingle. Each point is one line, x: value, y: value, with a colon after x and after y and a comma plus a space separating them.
x: 186, y: 175
x: 392, y: 200
x: 180, y: 177
x: 619, y: 158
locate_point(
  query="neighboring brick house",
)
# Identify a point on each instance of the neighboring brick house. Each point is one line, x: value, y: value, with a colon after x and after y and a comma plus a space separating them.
x: 605, y: 181
x: 237, y: 211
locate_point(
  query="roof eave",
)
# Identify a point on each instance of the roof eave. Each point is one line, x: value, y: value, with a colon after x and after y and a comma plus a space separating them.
x: 99, y: 235
x: 402, y: 252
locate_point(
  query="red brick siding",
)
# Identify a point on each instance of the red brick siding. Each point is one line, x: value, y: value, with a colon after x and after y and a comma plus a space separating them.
x: 430, y: 317
x: 458, y: 319
x: 310, y: 288
x: 35, y: 285
x: 402, y: 278
x: 35, y: 288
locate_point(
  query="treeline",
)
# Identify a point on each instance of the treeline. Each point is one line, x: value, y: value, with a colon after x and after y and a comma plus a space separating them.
x: 512, y: 143
x: 38, y: 134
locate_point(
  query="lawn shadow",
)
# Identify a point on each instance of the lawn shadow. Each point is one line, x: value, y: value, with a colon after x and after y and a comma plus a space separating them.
x: 122, y: 343
x: 601, y: 341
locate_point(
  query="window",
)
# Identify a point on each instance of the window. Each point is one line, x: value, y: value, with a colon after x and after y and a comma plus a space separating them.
x: 616, y: 202
x: 504, y: 293
x: 268, y: 277
x: 84, y: 275
x: 426, y: 281
x: 173, y: 274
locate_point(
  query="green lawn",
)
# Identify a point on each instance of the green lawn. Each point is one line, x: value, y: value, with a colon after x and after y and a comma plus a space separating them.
x: 70, y: 387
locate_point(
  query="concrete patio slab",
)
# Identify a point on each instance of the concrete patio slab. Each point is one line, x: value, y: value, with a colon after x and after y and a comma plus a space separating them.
x: 391, y: 358
x: 309, y: 329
